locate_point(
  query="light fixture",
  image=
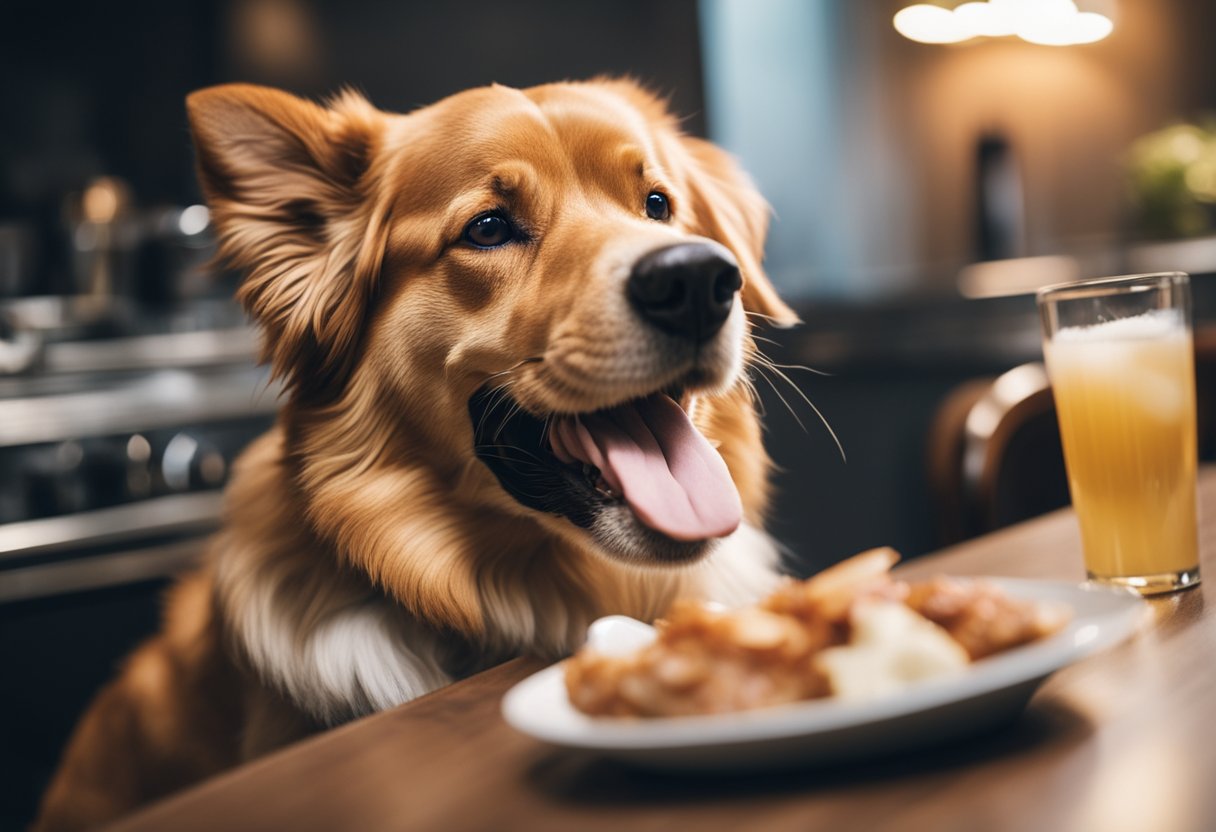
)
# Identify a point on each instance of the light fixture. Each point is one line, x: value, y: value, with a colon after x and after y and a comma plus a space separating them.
x: 1045, y: 22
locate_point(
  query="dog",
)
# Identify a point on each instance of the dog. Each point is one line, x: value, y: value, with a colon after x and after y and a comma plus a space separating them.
x: 514, y: 329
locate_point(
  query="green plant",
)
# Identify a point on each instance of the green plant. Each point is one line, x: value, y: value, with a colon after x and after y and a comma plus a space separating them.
x: 1173, y: 180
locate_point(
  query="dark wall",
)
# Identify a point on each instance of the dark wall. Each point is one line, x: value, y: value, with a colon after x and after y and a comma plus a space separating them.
x: 91, y: 88
x: 94, y: 88
x: 403, y: 55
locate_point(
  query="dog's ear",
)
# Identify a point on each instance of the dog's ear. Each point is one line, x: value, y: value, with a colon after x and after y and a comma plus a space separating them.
x: 288, y: 185
x: 729, y: 209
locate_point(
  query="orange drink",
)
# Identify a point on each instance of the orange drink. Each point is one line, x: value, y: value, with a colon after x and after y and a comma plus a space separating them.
x: 1120, y: 356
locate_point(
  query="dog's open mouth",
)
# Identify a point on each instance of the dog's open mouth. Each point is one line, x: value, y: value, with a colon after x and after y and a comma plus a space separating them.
x: 639, y: 477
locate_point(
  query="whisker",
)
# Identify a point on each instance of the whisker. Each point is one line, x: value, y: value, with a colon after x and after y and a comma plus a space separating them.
x: 843, y: 457
x: 769, y: 382
x: 762, y: 356
x: 766, y: 364
x: 546, y: 429
x: 501, y: 390
x: 498, y: 395
x: 515, y: 408
x: 507, y: 452
x: 760, y: 315
x: 522, y: 362
x: 753, y: 394
x: 484, y: 450
x: 765, y: 340
x: 774, y: 364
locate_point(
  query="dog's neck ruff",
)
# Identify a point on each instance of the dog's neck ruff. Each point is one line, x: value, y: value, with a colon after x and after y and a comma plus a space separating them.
x: 338, y: 654
x: 333, y: 651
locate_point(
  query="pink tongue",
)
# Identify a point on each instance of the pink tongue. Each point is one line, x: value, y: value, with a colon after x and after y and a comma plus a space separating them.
x: 649, y: 450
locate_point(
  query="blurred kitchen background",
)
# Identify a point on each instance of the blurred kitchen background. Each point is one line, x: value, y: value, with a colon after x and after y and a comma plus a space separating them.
x: 921, y: 192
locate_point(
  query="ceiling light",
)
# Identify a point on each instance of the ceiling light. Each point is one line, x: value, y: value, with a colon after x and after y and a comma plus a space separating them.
x: 1044, y: 22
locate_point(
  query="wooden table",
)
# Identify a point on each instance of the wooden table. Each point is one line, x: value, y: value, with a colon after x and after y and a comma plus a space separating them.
x: 1124, y: 741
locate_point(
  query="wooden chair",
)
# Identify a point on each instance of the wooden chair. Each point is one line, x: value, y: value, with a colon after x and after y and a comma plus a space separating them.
x: 994, y: 454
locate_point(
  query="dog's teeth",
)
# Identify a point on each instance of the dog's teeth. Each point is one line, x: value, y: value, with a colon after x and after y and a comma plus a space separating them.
x: 597, y: 481
x: 604, y: 490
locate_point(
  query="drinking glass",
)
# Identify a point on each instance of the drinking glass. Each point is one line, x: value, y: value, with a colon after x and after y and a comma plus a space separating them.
x: 1122, y: 366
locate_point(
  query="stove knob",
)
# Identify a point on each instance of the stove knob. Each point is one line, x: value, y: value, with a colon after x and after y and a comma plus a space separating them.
x: 52, y: 481
x: 190, y: 462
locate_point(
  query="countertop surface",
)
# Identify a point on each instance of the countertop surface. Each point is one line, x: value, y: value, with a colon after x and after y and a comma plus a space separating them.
x: 1125, y: 740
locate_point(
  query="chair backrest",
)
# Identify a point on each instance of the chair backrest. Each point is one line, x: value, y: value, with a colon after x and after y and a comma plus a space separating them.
x: 994, y: 454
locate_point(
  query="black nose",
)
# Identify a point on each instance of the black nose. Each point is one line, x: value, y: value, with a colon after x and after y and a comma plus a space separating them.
x: 686, y: 289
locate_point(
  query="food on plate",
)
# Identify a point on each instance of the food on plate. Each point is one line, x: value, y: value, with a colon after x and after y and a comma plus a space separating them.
x: 853, y: 631
x: 980, y: 617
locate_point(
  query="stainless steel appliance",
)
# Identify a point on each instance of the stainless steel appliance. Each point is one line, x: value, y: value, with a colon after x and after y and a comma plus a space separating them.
x: 117, y: 431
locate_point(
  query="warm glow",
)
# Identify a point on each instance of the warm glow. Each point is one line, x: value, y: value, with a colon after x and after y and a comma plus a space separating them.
x: 1045, y: 22
x: 930, y: 24
x: 985, y: 19
x: 103, y: 200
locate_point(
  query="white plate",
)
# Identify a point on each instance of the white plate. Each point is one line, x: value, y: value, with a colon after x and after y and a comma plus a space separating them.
x: 991, y: 691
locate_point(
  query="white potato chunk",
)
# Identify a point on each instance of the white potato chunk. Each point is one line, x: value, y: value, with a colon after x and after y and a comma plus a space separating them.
x: 891, y: 647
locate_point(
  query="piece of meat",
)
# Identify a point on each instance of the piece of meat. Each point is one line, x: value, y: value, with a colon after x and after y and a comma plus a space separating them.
x: 705, y: 661
x: 982, y: 618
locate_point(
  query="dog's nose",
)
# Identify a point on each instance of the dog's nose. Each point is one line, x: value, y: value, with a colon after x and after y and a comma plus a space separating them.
x: 686, y: 289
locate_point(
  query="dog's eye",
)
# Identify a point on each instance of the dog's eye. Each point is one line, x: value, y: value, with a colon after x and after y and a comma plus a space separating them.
x: 489, y: 231
x: 657, y: 207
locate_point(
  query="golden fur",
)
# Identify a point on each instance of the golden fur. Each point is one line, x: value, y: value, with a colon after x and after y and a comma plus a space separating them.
x: 367, y: 555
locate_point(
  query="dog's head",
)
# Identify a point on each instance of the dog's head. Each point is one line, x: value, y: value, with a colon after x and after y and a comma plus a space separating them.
x: 552, y: 285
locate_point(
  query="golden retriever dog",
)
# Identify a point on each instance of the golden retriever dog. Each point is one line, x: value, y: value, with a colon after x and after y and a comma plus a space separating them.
x: 514, y: 327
